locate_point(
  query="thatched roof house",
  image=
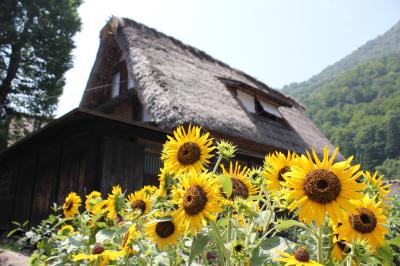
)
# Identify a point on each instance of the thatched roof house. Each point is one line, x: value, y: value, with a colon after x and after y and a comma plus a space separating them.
x: 142, y: 85
x: 142, y: 74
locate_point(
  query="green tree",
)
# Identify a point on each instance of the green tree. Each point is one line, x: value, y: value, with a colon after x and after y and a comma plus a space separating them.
x: 392, y: 145
x: 35, y: 52
x: 390, y: 168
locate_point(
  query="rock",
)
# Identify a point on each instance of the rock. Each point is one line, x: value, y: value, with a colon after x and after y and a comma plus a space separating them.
x: 11, y: 258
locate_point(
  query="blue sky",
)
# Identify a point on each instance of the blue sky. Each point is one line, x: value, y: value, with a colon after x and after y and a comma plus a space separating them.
x: 278, y: 42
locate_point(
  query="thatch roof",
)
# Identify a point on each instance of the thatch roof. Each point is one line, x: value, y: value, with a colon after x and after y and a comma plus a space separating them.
x: 179, y: 84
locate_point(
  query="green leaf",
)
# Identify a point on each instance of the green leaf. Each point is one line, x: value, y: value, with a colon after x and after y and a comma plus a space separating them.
x: 226, y: 184
x: 198, y: 245
x: 224, y: 222
x: 270, y: 243
x: 13, y: 232
x: 16, y: 223
x: 163, y: 219
x: 161, y: 259
x: 104, y: 234
x: 29, y: 234
x: 263, y: 217
x: 286, y: 224
x: 385, y: 255
x: 394, y: 241
x: 256, y: 258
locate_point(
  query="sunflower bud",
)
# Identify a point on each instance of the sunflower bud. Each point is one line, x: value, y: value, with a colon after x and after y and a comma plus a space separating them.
x: 256, y: 176
x: 361, y: 250
x: 238, y: 250
x: 226, y: 149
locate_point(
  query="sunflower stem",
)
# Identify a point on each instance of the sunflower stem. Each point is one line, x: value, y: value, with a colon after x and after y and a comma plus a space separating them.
x: 229, y: 225
x: 220, y: 245
x: 319, y: 244
x: 203, y: 255
x: 217, y: 163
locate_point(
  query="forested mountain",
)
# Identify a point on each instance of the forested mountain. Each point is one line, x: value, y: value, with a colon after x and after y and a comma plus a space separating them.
x: 356, y: 103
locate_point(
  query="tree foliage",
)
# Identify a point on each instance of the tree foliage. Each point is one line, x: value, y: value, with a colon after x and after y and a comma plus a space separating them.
x: 35, y: 52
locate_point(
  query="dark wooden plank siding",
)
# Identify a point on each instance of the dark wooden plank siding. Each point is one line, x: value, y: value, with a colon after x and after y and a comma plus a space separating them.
x: 73, y: 167
x: 122, y: 165
x: 24, y: 189
x: 45, y: 182
x: 7, y: 193
x: 79, y: 170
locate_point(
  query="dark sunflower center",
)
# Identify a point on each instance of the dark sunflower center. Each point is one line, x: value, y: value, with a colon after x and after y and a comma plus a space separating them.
x: 302, y: 255
x: 68, y: 205
x: 239, y: 189
x: 322, y: 186
x: 281, y: 172
x: 165, y: 229
x: 97, y: 249
x: 188, y: 153
x: 363, y: 222
x: 238, y: 248
x: 139, y: 205
x: 343, y: 247
x: 195, y: 200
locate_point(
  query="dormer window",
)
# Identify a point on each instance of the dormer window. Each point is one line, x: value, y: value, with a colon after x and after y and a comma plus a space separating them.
x: 267, y: 109
x: 256, y: 101
x: 116, y: 82
x: 121, y: 80
x: 247, y: 101
x: 258, y: 106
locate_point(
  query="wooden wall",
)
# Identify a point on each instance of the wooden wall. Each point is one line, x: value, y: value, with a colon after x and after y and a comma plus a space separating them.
x: 88, y: 154
x: 95, y: 157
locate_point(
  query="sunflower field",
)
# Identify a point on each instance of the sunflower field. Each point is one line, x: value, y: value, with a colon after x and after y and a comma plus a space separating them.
x: 295, y: 210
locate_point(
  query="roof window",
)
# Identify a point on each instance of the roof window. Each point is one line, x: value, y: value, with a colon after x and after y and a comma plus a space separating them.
x: 247, y: 101
x: 266, y: 108
x: 258, y: 106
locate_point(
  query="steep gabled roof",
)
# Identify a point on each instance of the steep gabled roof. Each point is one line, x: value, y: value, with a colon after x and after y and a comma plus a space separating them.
x: 179, y: 84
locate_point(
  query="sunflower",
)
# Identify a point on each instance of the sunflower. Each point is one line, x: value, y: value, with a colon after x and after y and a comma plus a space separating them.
x: 66, y: 230
x: 162, y: 189
x: 100, y: 208
x: 127, y: 241
x: 99, y: 253
x: 340, y: 245
x: 366, y: 223
x: 164, y: 232
x: 198, y: 198
x: 140, y: 201
x: 115, y: 202
x: 149, y: 190
x: 275, y: 166
x: 300, y: 258
x: 323, y: 186
x: 241, y: 184
x: 71, y: 205
x: 375, y: 184
x: 166, y: 182
x: 92, y: 199
x: 187, y: 152
x: 340, y: 248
